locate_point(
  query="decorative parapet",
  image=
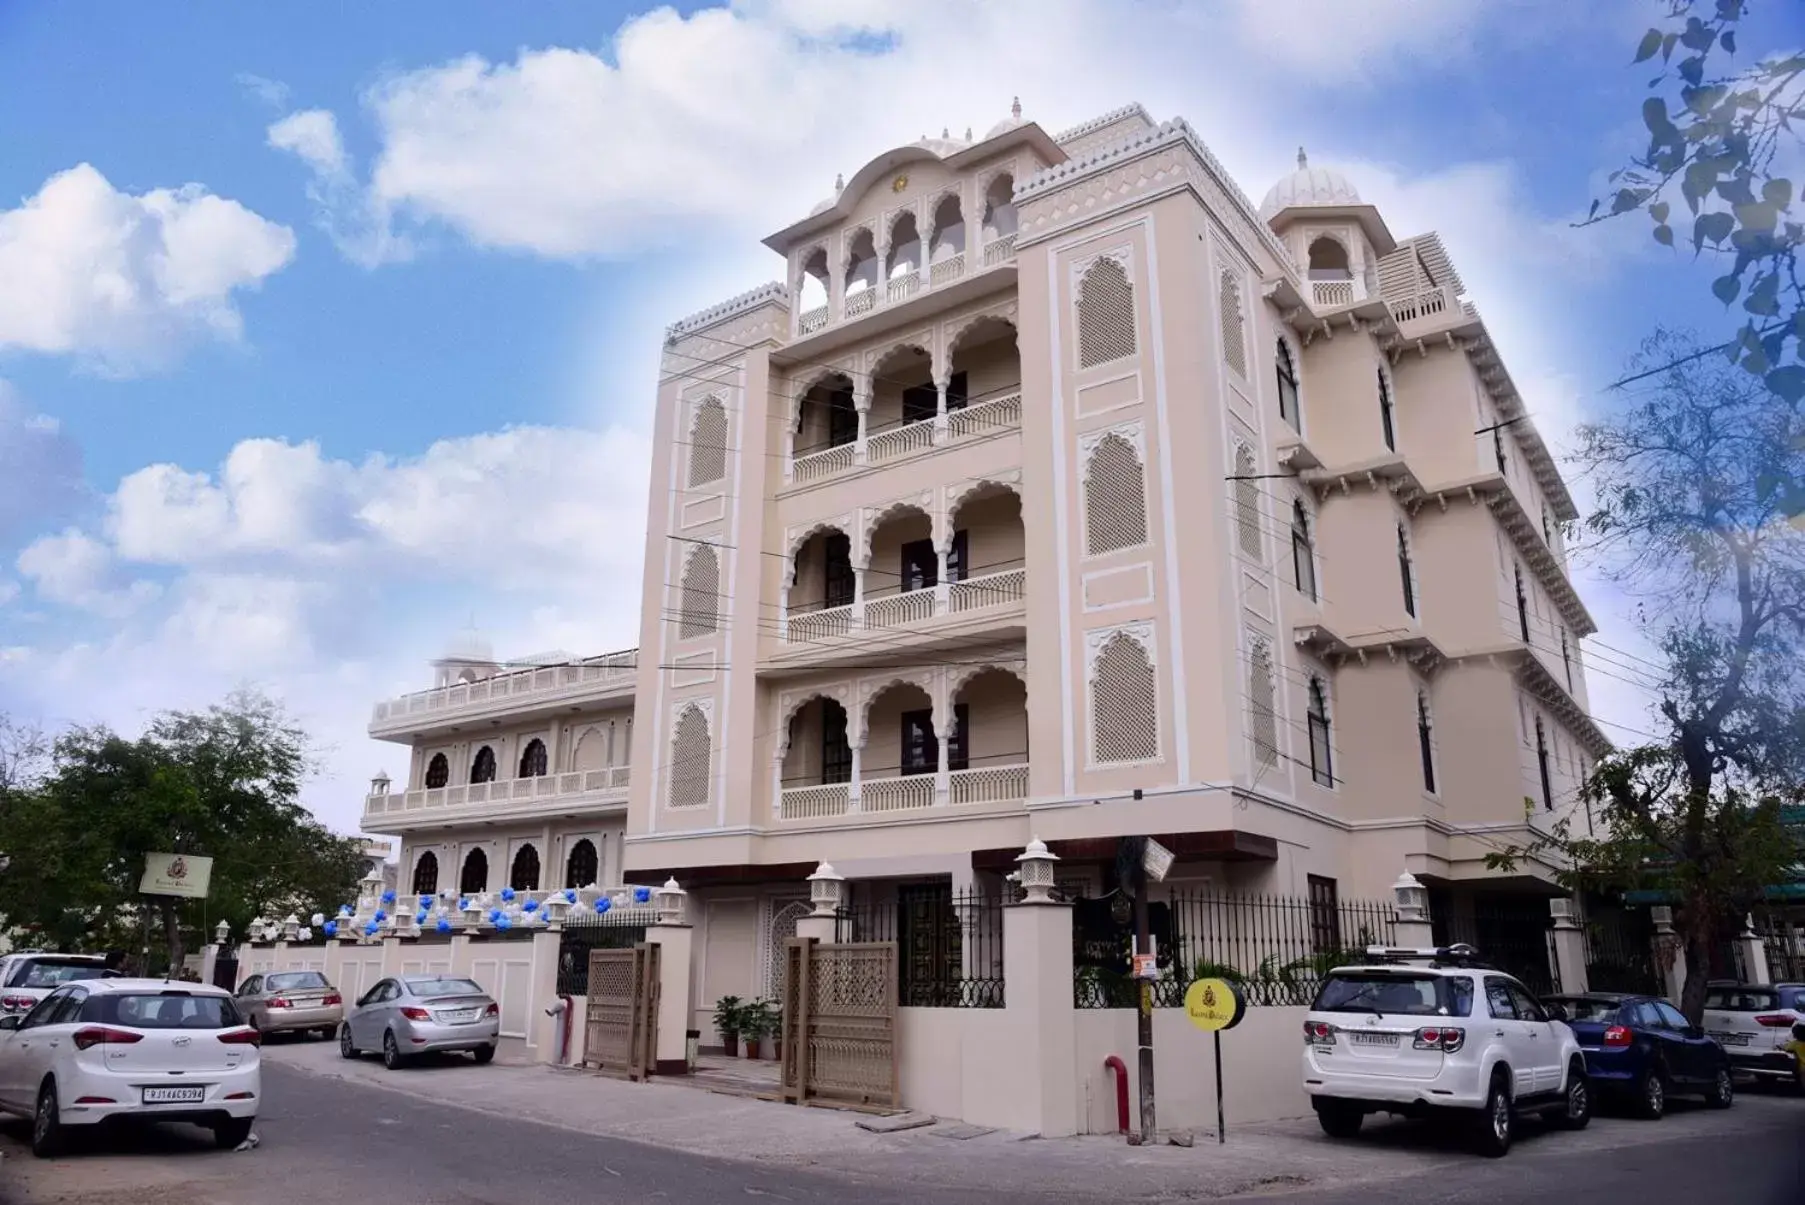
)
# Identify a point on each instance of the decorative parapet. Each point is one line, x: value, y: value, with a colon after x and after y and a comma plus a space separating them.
x: 770, y: 293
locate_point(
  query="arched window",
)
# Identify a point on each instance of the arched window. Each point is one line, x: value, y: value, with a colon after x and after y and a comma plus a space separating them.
x: 1288, y: 400
x: 1329, y: 260
x: 1405, y: 572
x: 525, y: 874
x: 999, y: 208
x: 708, y: 443
x: 1425, y: 740
x: 426, y: 874
x: 699, y: 608
x: 482, y: 766
x: 438, y: 772
x: 1303, y: 552
x: 1115, y: 497
x: 1106, y: 321
x: 1385, y: 420
x: 582, y: 868
x: 532, y: 759
x: 1542, y: 766
x: 475, y: 876
x: 1322, y: 756
x: 1234, y: 338
x: 1124, y: 703
x: 692, y: 750
x: 1247, y: 501
x: 1263, y: 706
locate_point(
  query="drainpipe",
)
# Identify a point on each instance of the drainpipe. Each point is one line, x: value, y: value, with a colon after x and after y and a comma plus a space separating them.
x: 562, y: 1010
x: 1114, y: 1063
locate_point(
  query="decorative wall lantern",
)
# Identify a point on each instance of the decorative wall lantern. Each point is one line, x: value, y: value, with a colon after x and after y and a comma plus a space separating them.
x: 291, y: 927
x: 1036, y: 871
x: 667, y: 902
x: 1412, y: 898
x: 556, y: 908
x: 222, y: 933
x: 826, y: 890
x: 473, y: 911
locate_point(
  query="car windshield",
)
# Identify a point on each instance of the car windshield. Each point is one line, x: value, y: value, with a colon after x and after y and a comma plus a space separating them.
x: 43, y: 973
x: 1392, y: 992
x: 428, y: 989
x: 1583, y: 1009
x: 161, y: 1010
x: 292, y: 981
x: 1742, y: 999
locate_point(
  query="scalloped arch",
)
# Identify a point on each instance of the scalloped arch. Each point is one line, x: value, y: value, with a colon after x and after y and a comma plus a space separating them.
x: 859, y: 719
x: 958, y: 679
x: 956, y: 332
x: 971, y: 489
x: 789, y: 705
x: 894, y: 350
x: 890, y: 511
x: 816, y: 374
x: 814, y: 529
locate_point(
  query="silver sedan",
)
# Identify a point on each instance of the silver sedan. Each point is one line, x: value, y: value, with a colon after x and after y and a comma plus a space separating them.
x: 411, y: 1015
x: 291, y: 1002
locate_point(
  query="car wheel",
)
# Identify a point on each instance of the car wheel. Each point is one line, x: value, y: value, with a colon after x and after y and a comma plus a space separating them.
x: 345, y: 1048
x: 230, y: 1134
x: 1339, y: 1119
x: 1576, y: 1108
x: 1651, y: 1096
x: 1497, y: 1121
x: 391, y: 1052
x: 484, y: 1054
x: 47, y: 1124
x: 1723, y: 1090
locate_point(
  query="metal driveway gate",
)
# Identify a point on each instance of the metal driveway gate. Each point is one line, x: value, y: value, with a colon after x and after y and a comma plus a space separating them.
x: 621, y: 1021
x: 839, y: 1022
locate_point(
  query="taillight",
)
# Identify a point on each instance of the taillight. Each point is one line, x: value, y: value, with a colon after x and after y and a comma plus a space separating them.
x: 94, y: 1035
x: 1774, y: 1020
x: 1440, y: 1037
x: 1617, y: 1037
x: 16, y: 1004
x: 241, y: 1037
x: 494, y: 1010
x: 279, y: 1002
x: 1319, y: 1033
x: 333, y: 999
x: 416, y: 1014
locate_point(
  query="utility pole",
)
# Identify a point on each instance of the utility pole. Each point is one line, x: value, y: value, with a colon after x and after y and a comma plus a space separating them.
x: 1131, y: 875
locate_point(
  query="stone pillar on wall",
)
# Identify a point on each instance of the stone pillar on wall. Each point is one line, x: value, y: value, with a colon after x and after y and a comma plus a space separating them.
x: 546, y: 1020
x: 1410, y: 903
x: 1669, y: 953
x: 1751, y: 954
x: 1569, y: 947
x: 1037, y: 998
x: 675, y: 939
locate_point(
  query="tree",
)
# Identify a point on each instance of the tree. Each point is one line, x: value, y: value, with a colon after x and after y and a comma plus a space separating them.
x: 223, y: 784
x: 1689, y: 520
x: 1723, y: 133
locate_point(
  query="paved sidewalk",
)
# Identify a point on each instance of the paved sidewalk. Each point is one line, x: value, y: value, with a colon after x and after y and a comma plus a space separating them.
x: 1270, y: 1157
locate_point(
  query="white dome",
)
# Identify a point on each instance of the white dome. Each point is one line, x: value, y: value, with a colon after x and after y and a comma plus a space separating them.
x: 469, y: 645
x: 824, y: 206
x: 1309, y: 186
x: 942, y: 147
x: 1013, y: 121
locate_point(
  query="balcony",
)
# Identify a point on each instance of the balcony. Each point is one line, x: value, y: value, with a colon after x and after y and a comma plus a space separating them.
x: 515, y: 799
x: 511, y: 692
x: 872, y: 283
x: 1431, y: 308
x: 978, y: 732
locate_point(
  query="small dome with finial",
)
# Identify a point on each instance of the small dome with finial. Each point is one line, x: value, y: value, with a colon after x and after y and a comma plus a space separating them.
x: 1008, y: 123
x: 1309, y: 186
x: 470, y: 645
x: 839, y: 187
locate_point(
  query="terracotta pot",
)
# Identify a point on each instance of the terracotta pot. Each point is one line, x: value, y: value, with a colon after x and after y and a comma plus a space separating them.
x: 751, y: 1050
x: 730, y: 1043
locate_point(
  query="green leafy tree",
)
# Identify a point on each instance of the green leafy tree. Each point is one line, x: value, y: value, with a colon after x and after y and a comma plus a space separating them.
x: 1689, y: 520
x: 223, y: 784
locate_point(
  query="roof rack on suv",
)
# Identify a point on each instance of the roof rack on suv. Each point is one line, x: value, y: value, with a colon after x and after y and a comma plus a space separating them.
x: 1460, y: 954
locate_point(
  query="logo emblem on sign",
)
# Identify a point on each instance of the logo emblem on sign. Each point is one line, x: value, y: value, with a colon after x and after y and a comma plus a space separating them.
x: 1209, y: 996
x: 178, y: 869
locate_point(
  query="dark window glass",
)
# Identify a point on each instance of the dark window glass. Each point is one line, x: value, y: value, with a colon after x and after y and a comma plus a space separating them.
x: 583, y: 866
x: 1567, y: 658
x: 842, y: 418
x: 1522, y: 607
x: 1322, y: 767
x: 532, y: 759
x: 438, y: 772
x: 475, y: 876
x: 839, y: 575
x: 1498, y: 999
x: 958, y: 562
x: 958, y: 742
x: 920, y: 565
x: 426, y: 874
x: 482, y: 768
x: 1399, y: 993
x: 1498, y: 448
x: 525, y: 873
x: 1303, y: 553
x: 920, y: 402
x: 1325, y: 914
x: 1391, y: 439
x: 1425, y: 740
x: 1404, y: 572
x: 162, y: 1010
x: 958, y: 395
x: 1542, y: 765
x: 920, y: 745
x: 836, y: 748
x: 1287, y: 371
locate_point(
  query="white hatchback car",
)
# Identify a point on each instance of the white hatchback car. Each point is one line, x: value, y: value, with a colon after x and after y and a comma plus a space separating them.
x: 107, y: 1050
x: 1433, y: 1032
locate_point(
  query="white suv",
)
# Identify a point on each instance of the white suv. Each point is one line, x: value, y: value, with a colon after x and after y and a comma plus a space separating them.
x: 1420, y: 1032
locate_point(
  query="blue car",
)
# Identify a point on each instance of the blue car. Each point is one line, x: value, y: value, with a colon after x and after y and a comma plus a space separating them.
x: 1641, y: 1050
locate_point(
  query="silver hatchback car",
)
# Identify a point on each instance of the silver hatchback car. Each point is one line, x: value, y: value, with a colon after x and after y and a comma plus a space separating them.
x: 411, y: 1015
x: 291, y: 1002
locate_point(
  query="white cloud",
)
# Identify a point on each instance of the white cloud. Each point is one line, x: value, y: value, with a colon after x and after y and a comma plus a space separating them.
x: 126, y: 281
x: 40, y: 466
x: 9, y: 590
x: 72, y: 567
x: 313, y: 135
x: 357, y: 225
x: 1337, y: 42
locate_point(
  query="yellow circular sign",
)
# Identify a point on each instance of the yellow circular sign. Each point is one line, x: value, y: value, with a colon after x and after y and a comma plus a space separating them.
x: 898, y: 184
x: 1214, y: 1004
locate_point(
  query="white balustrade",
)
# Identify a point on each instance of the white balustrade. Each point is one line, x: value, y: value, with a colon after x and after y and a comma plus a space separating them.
x: 896, y: 442
x: 899, y: 610
x: 984, y: 418
x: 816, y: 802
x: 903, y: 794
x: 825, y: 463
x: 614, y: 669
x: 947, y: 270
x: 610, y: 782
x: 860, y: 302
x: 988, y: 590
x: 1332, y: 294
x: 988, y: 784
x: 902, y: 287
x: 812, y: 320
x: 999, y: 250
x: 1006, y: 588
x: 1423, y: 305
x: 804, y: 627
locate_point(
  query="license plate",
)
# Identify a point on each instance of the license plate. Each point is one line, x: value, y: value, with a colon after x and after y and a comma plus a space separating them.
x: 175, y: 1096
x: 460, y: 1016
x: 1732, y: 1039
x: 1375, y: 1039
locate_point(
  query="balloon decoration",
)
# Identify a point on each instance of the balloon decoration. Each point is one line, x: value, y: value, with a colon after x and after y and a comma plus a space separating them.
x: 531, y: 905
x: 330, y: 928
x: 463, y: 903
x: 642, y: 895
x: 507, y: 895
x: 602, y: 905
x: 344, y: 910
x: 502, y: 922
x: 380, y: 917
x: 444, y: 925
x: 570, y: 895
x: 319, y: 918
x: 370, y: 929
x: 388, y: 897
x: 495, y: 916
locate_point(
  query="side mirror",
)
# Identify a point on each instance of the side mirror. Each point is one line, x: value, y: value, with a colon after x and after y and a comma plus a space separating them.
x: 11, y: 1022
x: 1558, y: 1012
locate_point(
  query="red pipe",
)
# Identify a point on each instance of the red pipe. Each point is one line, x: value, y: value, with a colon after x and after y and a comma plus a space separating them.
x: 564, y: 1042
x: 1114, y: 1063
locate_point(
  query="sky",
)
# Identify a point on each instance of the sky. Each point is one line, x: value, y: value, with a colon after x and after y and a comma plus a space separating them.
x: 329, y: 329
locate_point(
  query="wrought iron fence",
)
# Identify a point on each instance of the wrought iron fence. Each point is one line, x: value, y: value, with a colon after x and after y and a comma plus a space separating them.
x: 1784, y: 938
x: 949, y: 945
x: 582, y: 934
x: 1620, y: 952
x: 1512, y: 935
x: 1275, y: 948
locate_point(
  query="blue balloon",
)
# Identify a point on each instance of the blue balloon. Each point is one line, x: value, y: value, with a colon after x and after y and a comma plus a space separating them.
x: 388, y: 897
x: 502, y: 922
x: 494, y: 915
x: 331, y: 928
x: 602, y: 905
x: 344, y: 910
x: 463, y: 903
x: 570, y: 895
x: 642, y: 895
x: 370, y: 929
x: 420, y: 917
x: 380, y: 917
x: 507, y: 894
x: 444, y: 925
x: 531, y: 905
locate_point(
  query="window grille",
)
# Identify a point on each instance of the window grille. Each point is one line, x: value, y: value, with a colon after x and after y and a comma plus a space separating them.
x: 426, y: 874
x: 438, y: 772
x: 1263, y: 702
x: 525, y: 874
x: 1124, y: 703
x: 1234, y: 339
x: 1115, y: 497
x: 533, y: 762
x: 482, y: 767
x: 1247, y: 502
x: 708, y: 443
x: 700, y: 607
x: 475, y: 875
x: 583, y: 867
x: 691, y: 754
x: 1106, y: 321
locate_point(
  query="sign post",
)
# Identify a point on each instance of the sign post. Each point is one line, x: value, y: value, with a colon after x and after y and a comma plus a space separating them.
x: 1214, y: 1005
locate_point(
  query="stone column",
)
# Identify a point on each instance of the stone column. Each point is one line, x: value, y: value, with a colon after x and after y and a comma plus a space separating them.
x: 1411, y: 907
x: 1669, y: 953
x: 676, y: 944
x: 1751, y: 954
x: 1037, y: 997
x: 1569, y: 947
x: 545, y: 1023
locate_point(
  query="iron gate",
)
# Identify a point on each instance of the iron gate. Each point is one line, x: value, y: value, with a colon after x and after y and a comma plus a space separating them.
x: 839, y: 1022
x: 621, y: 1017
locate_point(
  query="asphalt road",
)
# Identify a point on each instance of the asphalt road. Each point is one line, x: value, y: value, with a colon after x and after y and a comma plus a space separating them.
x: 327, y: 1140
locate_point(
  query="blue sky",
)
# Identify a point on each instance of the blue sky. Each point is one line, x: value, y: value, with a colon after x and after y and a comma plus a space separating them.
x: 347, y: 330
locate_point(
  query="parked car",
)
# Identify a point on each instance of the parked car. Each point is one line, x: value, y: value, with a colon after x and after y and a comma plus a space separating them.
x: 1436, y: 1033
x: 1753, y: 1023
x: 107, y: 1050
x: 27, y: 976
x: 291, y: 1002
x: 411, y: 1015
x: 1642, y: 1050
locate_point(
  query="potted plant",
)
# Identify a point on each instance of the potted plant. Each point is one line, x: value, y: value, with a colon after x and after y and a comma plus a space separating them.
x: 755, y: 1024
x: 730, y: 1022
x: 777, y: 1030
